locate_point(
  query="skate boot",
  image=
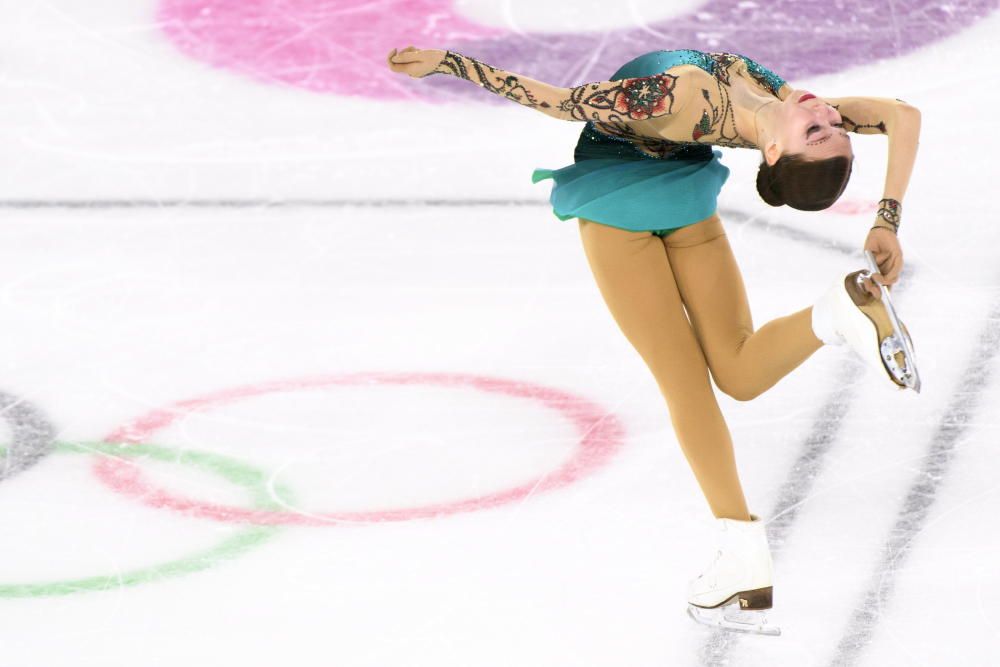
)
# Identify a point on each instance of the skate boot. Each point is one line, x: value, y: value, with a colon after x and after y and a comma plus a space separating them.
x: 735, y: 589
x: 869, y: 326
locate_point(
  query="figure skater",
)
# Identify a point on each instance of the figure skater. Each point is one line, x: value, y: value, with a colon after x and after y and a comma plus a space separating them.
x: 643, y: 186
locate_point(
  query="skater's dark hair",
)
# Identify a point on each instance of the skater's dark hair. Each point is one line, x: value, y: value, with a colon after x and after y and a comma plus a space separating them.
x: 808, y: 185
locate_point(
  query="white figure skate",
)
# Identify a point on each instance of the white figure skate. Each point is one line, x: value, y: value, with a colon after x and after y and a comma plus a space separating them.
x: 735, y: 589
x: 871, y: 327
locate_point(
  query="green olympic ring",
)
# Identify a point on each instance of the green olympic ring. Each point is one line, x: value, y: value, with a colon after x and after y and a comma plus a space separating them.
x: 240, y: 474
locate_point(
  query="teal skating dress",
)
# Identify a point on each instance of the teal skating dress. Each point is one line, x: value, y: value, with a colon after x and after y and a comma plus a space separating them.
x: 615, y: 183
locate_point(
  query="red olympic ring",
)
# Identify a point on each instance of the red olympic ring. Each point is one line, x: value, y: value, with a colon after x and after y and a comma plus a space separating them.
x: 601, y: 437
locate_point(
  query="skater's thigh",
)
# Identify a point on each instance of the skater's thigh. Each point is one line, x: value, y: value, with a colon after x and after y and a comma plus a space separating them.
x: 711, y: 286
x: 633, y: 274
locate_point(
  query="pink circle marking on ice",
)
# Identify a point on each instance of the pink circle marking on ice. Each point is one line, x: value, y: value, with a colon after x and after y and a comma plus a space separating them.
x: 600, y: 438
x: 853, y: 207
x: 319, y: 45
x: 340, y: 46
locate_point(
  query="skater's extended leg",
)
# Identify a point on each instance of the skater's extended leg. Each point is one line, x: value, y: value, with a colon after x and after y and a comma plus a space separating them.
x: 633, y: 274
x: 744, y: 362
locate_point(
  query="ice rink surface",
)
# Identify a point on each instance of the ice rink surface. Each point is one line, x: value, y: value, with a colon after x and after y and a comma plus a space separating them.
x: 299, y: 367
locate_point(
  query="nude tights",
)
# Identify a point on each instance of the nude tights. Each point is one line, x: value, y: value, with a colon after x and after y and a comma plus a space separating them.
x: 647, y: 283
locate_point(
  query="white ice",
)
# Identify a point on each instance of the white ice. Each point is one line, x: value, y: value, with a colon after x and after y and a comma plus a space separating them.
x: 109, y: 313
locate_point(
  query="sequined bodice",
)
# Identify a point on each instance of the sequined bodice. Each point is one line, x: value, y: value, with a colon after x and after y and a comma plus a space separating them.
x: 595, y: 145
x: 715, y: 64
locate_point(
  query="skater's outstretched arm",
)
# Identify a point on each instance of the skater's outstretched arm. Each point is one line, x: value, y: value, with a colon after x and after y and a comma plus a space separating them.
x: 612, y: 102
x: 901, y: 123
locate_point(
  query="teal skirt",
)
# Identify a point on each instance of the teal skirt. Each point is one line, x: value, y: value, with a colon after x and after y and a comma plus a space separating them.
x: 656, y: 195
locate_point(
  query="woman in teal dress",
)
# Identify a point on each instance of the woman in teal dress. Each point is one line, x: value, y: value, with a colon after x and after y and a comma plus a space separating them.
x: 643, y: 186
x: 615, y: 181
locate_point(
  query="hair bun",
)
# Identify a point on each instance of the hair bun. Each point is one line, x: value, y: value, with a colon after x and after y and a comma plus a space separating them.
x: 766, y: 186
x: 806, y: 185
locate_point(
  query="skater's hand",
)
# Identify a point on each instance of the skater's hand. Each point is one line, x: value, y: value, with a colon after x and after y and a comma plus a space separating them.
x: 416, y: 62
x: 884, y: 244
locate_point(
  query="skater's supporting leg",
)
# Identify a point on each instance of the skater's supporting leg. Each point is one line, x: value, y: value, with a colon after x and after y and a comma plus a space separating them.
x: 744, y: 362
x: 634, y: 277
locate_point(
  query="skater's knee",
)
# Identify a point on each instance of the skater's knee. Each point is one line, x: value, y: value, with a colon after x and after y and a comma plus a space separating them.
x: 742, y: 389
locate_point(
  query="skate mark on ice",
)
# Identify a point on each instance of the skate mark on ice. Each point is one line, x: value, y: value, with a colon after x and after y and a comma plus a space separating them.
x: 32, y: 435
x: 28, y: 204
x: 792, y: 233
x: 727, y: 214
x: 340, y: 47
x: 964, y: 404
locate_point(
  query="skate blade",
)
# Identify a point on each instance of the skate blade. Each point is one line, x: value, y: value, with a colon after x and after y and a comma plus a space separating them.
x: 901, y: 340
x: 731, y: 617
x: 895, y: 352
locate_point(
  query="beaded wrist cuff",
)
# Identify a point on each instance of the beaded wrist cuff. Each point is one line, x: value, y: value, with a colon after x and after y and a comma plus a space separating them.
x: 889, y: 211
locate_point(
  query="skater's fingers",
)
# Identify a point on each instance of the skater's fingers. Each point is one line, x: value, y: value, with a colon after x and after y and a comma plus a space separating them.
x: 872, y: 285
x: 890, y: 269
x: 893, y: 274
x: 409, y: 51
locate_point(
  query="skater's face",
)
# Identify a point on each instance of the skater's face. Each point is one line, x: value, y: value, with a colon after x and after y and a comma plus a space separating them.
x: 806, y: 125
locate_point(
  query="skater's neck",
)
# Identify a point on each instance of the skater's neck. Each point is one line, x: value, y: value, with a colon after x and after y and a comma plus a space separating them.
x: 752, y: 113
